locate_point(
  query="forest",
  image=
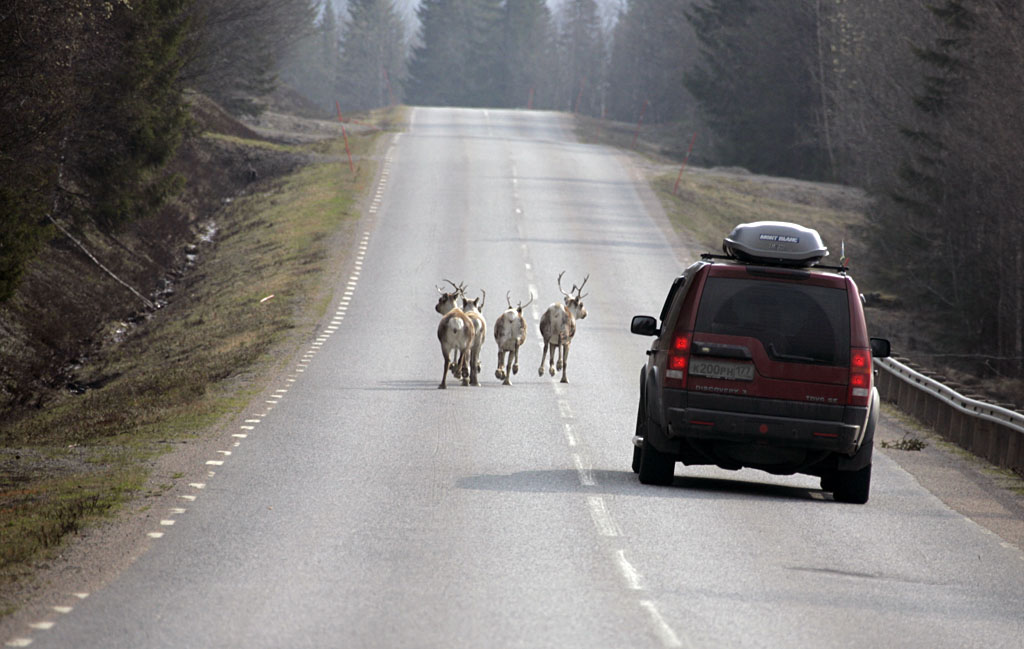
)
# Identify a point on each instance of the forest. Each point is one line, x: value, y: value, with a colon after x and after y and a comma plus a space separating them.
x: 918, y: 103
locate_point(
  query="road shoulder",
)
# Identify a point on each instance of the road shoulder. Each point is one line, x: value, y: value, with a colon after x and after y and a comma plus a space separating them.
x: 991, y: 497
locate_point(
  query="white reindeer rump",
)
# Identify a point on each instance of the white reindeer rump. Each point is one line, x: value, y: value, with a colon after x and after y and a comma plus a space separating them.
x: 510, y: 334
x: 456, y: 333
x: 472, y: 310
x: 558, y: 327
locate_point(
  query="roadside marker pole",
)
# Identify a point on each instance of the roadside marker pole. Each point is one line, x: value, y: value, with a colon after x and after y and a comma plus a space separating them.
x: 344, y: 134
x: 643, y: 109
x: 685, y: 160
x: 579, y: 96
x: 391, y: 95
x: 351, y: 167
x: 529, y: 102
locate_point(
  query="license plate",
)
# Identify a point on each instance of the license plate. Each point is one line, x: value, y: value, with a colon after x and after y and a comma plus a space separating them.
x: 722, y: 370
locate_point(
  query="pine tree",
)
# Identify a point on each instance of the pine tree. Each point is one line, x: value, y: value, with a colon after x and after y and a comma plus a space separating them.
x: 38, y: 94
x: 486, y: 65
x: 652, y: 46
x: 372, y: 56
x: 456, y: 62
x: 240, y: 45
x: 138, y: 115
x: 755, y: 86
x: 937, y: 223
x: 311, y: 67
x: 581, y: 55
x: 525, y: 31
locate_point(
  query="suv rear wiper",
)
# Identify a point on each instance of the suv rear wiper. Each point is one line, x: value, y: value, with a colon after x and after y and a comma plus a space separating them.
x: 774, y: 353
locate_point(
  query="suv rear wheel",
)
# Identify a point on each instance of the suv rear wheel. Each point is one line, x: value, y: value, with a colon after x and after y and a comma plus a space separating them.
x: 639, y: 432
x: 656, y: 468
x: 852, y: 486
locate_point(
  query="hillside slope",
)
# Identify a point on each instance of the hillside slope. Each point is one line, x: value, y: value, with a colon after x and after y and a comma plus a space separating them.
x: 69, y: 305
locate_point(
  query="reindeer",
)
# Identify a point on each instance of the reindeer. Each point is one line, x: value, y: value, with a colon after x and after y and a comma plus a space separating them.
x: 510, y: 334
x: 558, y: 326
x: 472, y: 309
x: 449, y: 300
x: 455, y: 332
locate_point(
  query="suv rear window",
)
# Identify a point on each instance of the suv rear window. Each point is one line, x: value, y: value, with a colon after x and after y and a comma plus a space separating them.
x: 796, y: 323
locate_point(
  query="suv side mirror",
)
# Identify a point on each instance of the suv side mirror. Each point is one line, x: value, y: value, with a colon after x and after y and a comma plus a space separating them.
x: 880, y: 348
x: 644, y: 325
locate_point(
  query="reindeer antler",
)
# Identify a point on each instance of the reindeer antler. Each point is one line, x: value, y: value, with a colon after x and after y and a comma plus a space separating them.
x: 521, y: 305
x: 508, y: 298
x: 483, y: 299
x: 579, y: 291
x: 560, y: 284
x: 459, y: 288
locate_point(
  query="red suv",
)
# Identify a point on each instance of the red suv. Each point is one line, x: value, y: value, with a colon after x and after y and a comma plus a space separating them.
x: 762, y: 360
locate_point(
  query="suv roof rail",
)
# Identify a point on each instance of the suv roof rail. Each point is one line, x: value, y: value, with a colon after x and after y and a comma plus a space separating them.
x: 707, y: 256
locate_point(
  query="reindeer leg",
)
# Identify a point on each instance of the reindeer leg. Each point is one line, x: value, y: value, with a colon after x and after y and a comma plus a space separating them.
x: 543, y: 352
x: 463, y: 364
x: 515, y: 365
x: 474, y: 368
x: 444, y: 374
x: 507, y: 370
x: 501, y: 362
x: 565, y: 362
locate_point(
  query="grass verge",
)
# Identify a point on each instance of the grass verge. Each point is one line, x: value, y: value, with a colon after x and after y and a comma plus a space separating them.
x: 194, y: 363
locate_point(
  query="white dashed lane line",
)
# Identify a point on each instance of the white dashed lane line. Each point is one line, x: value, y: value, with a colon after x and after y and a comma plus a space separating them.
x: 665, y: 632
x: 604, y: 522
x: 249, y: 425
x: 633, y: 580
x: 602, y: 519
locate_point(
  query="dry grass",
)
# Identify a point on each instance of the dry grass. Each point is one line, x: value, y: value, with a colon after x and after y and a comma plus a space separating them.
x: 193, y: 363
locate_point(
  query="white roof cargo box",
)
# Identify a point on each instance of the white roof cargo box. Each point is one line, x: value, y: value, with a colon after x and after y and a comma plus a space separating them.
x: 775, y: 242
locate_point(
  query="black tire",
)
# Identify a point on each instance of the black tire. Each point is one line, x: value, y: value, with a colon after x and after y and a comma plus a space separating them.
x: 639, y: 432
x: 852, y: 486
x: 656, y: 468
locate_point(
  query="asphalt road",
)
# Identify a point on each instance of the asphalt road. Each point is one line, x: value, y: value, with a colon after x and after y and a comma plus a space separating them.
x: 363, y: 507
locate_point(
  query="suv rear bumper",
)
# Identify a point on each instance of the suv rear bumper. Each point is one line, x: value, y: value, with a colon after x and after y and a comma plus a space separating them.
x: 786, y: 432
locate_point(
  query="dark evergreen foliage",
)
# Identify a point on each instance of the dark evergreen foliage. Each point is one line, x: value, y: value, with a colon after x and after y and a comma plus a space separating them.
x: 954, y: 216
x: 653, y: 46
x: 526, y: 51
x: 311, y: 67
x: 371, y: 64
x: 481, y: 53
x: 581, y: 54
x: 92, y: 110
x: 755, y: 87
x: 238, y: 46
x: 139, y: 113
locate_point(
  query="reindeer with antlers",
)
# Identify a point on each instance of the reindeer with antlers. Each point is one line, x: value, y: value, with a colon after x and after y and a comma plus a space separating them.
x: 455, y: 333
x: 472, y: 309
x: 510, y: 334
x: 558, y: 326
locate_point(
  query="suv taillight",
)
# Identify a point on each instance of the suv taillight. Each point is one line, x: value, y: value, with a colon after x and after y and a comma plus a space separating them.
x: 678, y: 361
x: 860, y: 377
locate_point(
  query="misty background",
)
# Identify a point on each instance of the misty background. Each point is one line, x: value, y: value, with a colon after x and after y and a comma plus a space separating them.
x: 920, y: 104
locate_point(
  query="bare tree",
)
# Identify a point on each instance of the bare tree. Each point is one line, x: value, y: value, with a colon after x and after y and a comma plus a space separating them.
x: 239, y: 43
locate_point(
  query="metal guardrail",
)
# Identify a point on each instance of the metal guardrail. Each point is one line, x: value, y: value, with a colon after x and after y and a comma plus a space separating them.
x: 991, y: 431
x: 951, y: 397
